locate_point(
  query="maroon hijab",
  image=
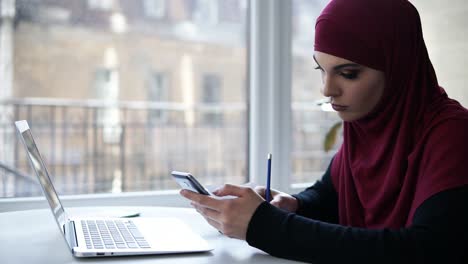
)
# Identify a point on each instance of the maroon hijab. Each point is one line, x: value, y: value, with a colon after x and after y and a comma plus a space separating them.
x: 412, y: 145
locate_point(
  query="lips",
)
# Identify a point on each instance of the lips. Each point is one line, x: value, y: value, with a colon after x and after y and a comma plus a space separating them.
x: 339, y: 108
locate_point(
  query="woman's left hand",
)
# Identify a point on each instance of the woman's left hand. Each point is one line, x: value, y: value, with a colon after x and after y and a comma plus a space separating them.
x: 229, y: 216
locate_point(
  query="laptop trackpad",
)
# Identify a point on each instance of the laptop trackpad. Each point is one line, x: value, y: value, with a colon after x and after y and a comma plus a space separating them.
x: 170, y: 235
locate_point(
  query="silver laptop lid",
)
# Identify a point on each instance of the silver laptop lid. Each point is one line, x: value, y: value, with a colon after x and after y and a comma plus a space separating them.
x: 42, y: 174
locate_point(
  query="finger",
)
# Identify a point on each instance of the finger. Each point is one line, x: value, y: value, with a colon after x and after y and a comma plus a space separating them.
x: 202, y: 199
x: 207, y: 212
x: 214, y: 224
x: 230, y: 189
x: 260, y: 190
x: 275, y: 203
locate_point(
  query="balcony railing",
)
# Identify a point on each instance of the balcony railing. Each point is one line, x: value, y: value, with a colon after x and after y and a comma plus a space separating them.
x: 96, y: 146
x: 100, y: 146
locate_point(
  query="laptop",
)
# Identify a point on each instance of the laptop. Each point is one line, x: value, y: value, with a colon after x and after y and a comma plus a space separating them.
x: 100, y: 236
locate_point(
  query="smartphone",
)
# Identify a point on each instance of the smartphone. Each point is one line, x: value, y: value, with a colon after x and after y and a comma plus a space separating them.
x: 187, y: 181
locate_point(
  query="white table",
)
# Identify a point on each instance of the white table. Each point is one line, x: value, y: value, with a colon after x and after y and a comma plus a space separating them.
x: 33, y: 237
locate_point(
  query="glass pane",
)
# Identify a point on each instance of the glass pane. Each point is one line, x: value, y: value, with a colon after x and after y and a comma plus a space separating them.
x: 310, y: 121
x: 120, y: 92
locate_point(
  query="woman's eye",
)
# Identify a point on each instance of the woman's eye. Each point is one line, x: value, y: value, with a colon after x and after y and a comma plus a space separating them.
x: 350, y: 75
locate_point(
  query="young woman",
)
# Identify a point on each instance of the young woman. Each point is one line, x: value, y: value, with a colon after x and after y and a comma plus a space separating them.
x: 397, y: 189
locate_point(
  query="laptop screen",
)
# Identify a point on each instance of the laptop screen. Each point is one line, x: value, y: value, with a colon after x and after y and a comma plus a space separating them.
x: 41, y: 171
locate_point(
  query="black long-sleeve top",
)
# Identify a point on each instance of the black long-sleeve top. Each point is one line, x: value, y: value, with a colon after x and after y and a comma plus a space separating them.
x: 438, y: 233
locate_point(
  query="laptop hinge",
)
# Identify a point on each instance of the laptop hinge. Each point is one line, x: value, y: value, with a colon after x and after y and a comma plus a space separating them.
x: 70, y: 234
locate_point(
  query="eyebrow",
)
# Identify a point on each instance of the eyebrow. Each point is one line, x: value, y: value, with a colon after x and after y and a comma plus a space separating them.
x: 340, y: 66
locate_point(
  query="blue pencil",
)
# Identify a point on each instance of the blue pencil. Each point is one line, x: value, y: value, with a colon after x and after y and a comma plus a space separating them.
x: 267, y: 191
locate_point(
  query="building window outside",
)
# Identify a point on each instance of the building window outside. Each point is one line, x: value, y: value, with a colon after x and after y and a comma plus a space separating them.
x: 206, y: 12
x: 212, y: 97
x: 105, y: 5
x: 158, y: 92
x: 232, y: 11
x: 106, y: 86
x: 155, y: 8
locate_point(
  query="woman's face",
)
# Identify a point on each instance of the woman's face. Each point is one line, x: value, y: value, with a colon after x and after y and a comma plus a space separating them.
x: 354, y: 90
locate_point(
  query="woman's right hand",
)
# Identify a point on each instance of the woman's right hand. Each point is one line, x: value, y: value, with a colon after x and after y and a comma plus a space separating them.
x: 280, y: 199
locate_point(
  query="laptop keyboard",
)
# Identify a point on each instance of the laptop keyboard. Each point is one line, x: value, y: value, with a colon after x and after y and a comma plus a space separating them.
x: 112, y: 234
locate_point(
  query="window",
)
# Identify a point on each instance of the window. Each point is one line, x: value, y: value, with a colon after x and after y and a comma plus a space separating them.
x: 101, y: 4
x: 212, y: 97
x: 207, y: 11
x: 231, y: 11
x: 158, y: 91
x: 310, y: 122
x: 155, y: 8
x: 106, y: 86
x: 105, y: 117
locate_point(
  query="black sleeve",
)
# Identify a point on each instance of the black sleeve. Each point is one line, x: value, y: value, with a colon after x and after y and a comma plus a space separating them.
x: 438, y: 234
x: 320, y: 200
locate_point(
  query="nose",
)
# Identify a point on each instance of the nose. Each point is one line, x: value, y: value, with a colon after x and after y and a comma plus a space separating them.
x: 330, y: 89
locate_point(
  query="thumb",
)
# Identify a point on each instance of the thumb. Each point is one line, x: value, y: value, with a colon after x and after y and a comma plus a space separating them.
x: 260, y: 190
x: 276, y: 201
x: 230, y: 189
